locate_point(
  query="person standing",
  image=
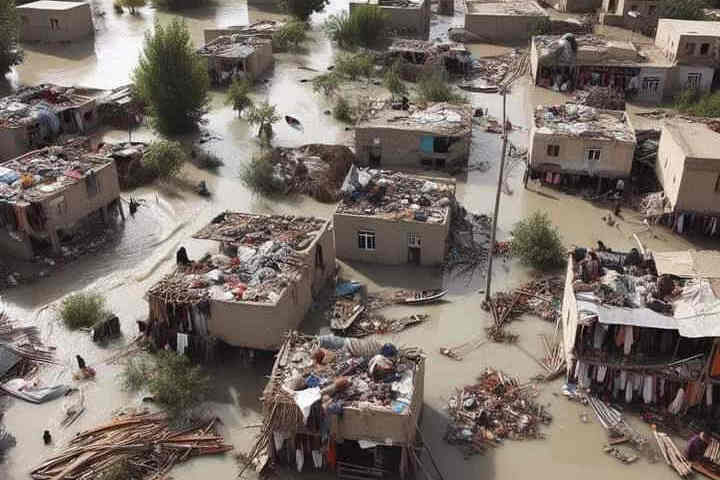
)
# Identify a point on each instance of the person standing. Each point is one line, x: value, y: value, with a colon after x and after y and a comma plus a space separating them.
x: 696, y: 446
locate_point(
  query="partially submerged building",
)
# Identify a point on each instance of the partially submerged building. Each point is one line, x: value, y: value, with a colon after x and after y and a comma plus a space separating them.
x: 644, y: 74
x: 503, y: 22
x: 262, y: 29
x: 635, y: 15
x: 55, y: 21
x: 438, y: 136
x: 48, y: 193
x: 393, y: 218
x: 35, y: 116
x: 350, y: 405
x: 405, y: 18
x: 579, y: 141
x: 236, y: 56
x: 257, y: 287
x: 416, y: 56
x: 688, y: 42
x: 642, y: 328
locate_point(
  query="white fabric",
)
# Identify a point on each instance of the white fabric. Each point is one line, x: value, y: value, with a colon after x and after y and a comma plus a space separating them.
x: 648, y: 389
x: 709, y: 395
x: 305, y: 399
x: 182, y: 343
x: 628, y: 392
x: 627, y: 345
x: 279, y: 438
x: 623, y: 379
x: 676, y: 405
x: 601, y: 371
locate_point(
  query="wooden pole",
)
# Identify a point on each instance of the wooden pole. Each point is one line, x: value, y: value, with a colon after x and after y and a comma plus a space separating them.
x: 497, y: 199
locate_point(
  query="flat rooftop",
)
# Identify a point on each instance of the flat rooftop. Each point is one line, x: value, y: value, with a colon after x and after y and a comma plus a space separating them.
x: 30, y: 103
x: 596, y: 50
x: 51, y: 5
x: 693, y: 27
x: 514, y: 8
x: 697, y: 140
x: 233, y: 46
x: 574, y: 120
x: 444, y: 119
x: 46, y: 172
x: 392, y: 3
x: 396, y: 196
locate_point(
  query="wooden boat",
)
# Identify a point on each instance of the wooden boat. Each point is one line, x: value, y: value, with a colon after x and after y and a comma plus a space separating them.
x: 423, y: 296
x: 292, y: 121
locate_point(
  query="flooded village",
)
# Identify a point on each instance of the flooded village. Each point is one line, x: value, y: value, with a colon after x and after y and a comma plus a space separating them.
x: 359, y: 239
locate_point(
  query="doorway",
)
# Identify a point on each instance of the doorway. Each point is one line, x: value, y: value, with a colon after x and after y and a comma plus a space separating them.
x: 414, y: 255
x: 375, y: 153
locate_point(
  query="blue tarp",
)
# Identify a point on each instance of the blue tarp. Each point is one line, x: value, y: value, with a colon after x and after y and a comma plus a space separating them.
x: 8, y: 176
x: 427, y: 143
x: 347, y: 288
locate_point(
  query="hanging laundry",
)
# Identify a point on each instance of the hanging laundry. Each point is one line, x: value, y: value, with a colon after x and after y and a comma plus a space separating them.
x: 620, y: 336
x: 709, y: 395
x: 623, y: 379
x: 677, y: 404
x: 628, y: 392
x: 629, y: 338
x: 648, y: 389
x: 601, y: 371
x: 599, y: 335
x: 182, y: 343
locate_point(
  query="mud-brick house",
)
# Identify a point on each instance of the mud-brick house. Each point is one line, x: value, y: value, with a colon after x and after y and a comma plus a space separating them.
x: 580, y: 141
x: 34, y: 116
x: 635, y: 15
x: 643, y: 328
x: 687, y: 42
x: 258, y: 285
x: 55, y: 21
x: 438, y: 136
x: 329, y: 405
x: 503, y: 22
x: 48, y: 193
x: 233, y: 56
x: 393, y: 218
x: 405, y: 18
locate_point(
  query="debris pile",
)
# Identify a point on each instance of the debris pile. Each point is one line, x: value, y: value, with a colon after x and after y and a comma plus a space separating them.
x: 20, y: 348
x: 468, y: 242
x: 554, y: 360
x: 606, y: 98
x: 145, y: 444
x: 415, y: 55
x: 459, y: 352
x: 378, y: 324
x: 496, y: 408
x: 580, y: 120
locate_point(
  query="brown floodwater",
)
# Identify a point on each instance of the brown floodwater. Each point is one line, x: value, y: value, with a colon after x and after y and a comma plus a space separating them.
x: 144, y: 250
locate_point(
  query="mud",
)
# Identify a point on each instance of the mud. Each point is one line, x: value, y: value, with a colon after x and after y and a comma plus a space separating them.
x: 144, y: 250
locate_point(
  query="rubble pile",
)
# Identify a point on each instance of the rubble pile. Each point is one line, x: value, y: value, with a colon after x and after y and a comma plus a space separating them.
x: 21, y: 349
x: 415, y: 55
x: 467, y: 242
x: 580, y: 120
x: 141, y: 446
x: 231, y: 46
x: 40, y: 104
x: 503, y: 69
x: 377, y: 324
x: 496, y: 408
x: 606, y: 98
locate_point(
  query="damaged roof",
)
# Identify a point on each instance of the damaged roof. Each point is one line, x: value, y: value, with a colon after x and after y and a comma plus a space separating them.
x: 233, y: 46
x: 521, y: 8
x: 392, y: 3
x: 444, y: 119
x: 595, y: 50
x: 31, y: 103
x: 574, y: 120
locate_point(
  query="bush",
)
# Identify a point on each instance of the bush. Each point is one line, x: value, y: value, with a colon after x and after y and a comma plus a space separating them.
x: 178, y: 4
x: 164, y: 158
x: 175, y: 92
x: 177, y: 384
x: 132, y: 4
x: 10, y: 52
x: 353, y: 66
x: 259, y: 176
x: 393, y: 82
x: 682, y: 9
x: 82, y: 310
x: 290, y: 36
x: 302, y: 9
x: 537, y: 242
x: 433, y: 86
x: 136, y: 374
x: 327, y: 83
x: 263, y: 115
x: 238, y: 95
x: 691, y: 102
x: 342, y: 111
x: 363, y: 27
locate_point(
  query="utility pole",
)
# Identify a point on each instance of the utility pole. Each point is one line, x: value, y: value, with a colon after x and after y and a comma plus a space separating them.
x: 497, y: 197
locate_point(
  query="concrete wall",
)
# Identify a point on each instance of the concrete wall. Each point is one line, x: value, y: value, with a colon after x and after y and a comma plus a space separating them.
x: 502, y: 28
x: 674, y: 46
x: 391, y: 240
x: 569, y: 314
x: 615, y: 157
x: 405, y: 22
x: 401, y: 148
x: 260, y: 60
x: 615, y: 12
x: 10, y: 246
x: 72, y: 24
x: 650, y: 92
x: 679, y: 76
x: 13, y: 142
x: 578, y: 6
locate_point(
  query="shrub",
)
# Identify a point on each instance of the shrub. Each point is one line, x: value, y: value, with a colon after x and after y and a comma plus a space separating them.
x: 259, y: 175
x: 290, y: 36
x: 10, y: 52
x: 177, y: 384
x: 342, y: 111
x: 537, y: 242
x: 164, y: 158
x: 132, y: 4
x: 433, y: 86
x: 393, y: 82
x: 682, y: 10
x: 302, y: 9
x: 82, y: 310
x: 327, y: 83
x: 238, y: 95
x: 363, y: 27
x: 353, y: 66
x: 691, y: 102
x: 136, y: 374
x: 263, y: 115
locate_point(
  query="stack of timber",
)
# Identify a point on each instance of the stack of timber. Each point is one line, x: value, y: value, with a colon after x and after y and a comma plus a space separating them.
x: 554, y: 360
x: 672, y: 455
x: 143, y: 444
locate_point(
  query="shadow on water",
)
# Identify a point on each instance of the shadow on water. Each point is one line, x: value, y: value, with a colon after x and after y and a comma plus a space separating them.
x: 75, y: 51
x: 395, y: 276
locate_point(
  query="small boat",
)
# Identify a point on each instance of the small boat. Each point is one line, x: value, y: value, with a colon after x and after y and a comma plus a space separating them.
x: 423, y: 296
x: 292, y: 121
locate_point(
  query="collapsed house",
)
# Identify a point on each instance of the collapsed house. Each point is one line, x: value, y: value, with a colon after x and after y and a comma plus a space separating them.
x: 393, y: 218
x: 689, y: 42
x: 642, y: 328
x: 259, y: 285
x: 437, y: 136
x: 503, y: 22
x: 688, y: 169
x: 352, y: 405
x: 49, y: 193
x: 262, y: 29
x: 35, y: 116
x: 237, y: 56
x: 571, y: 142
x: 404, y: 18
x: 55, y: 21
x: 635, y: 15
x: 571, y: 62
x: 416, y: 56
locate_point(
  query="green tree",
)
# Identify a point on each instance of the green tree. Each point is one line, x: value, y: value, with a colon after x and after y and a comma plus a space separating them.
x: 82, y: 310
x: 164, y: 158
x: 302, y: 9
x: 258, y: 175
x: 10, y: 52
x: 393, y: 82
x: 353, y: 66
x: 177, y: 384
x: 433, y: 86
x: 238, y: 95
x: 132, y: 4
x: 290, y: 36
x: 682, y: 9
x: 172, y: 79
x: 263, y: 115
x: 178, y: 4
x: 342, y: 111
x: 327, y: 83
x: 537, y: 243
x: 363, y: 27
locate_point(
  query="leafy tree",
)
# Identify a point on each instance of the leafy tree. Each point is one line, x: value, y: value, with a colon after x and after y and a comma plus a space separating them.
x: 682, y: 9
x: 164, y: 158
x: 363, y: 27
x: 10, y: 52
x: 238, y: 95
x: 537, y: 243
x: 177, y: 4
x: 258, y: 175
x: 172, y: 79
x: 290, y: 36
x: 263, y: 115
x: 327, y: 83
x: 132, y: 4
x: 433, y: 86
x: 177, y: 384
x: 353, y: 66
x: 302, y: 9
x: 393, y: 82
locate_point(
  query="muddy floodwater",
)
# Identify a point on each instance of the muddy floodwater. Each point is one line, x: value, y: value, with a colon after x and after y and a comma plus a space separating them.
x: 144, y: 250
